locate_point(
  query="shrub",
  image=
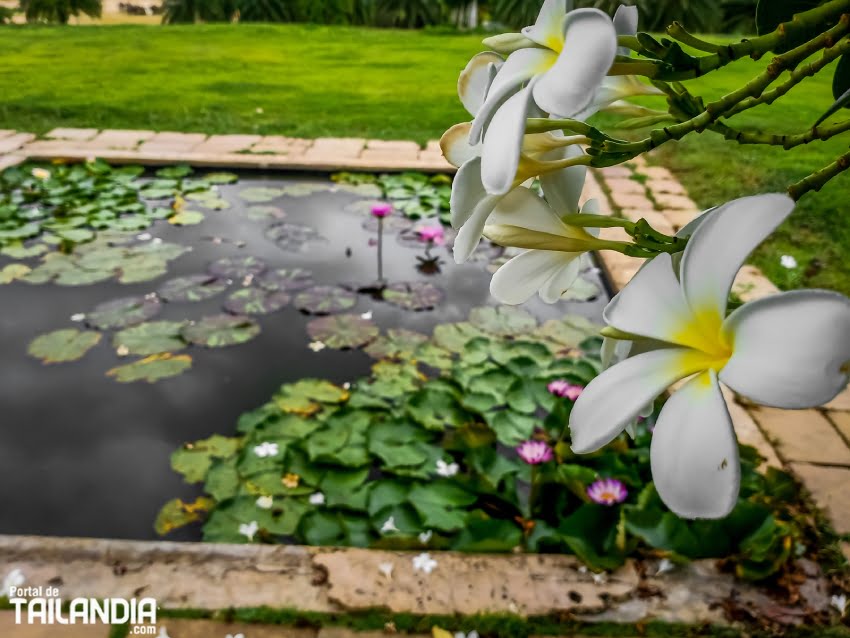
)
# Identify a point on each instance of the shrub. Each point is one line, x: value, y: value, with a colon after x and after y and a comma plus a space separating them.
x: 181, y: 11
x: 59, y: 10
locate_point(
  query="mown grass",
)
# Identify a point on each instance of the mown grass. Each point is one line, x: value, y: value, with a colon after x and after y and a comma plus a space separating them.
x: 315, y: 81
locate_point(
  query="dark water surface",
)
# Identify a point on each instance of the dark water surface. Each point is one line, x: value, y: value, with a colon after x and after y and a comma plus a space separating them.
x: 83, y: 455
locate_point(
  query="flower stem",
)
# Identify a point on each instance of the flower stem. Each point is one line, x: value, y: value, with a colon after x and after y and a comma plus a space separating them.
x: 587, y: 220
x: 380, y: 249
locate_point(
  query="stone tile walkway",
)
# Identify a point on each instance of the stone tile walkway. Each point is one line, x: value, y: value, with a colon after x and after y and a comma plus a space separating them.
x: 813, y: 444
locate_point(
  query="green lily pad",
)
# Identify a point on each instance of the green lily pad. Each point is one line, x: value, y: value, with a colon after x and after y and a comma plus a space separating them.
x: 503, y: 321
x: 303, y: 189
x: 124, y: 312
x: 325, y: 300
x: 256, y: 301
x: 454, y: 336
x: 221, y: 330
x: 73, y: 276
x: 153, y: 337
x: 192, y: 288
x: 398, y: 343
x: 141, y: 268
x: 343, y: 332
x: 209, y: 200
x: 237, y: 267
x: 285, y: 279
x: 75, y: 235
x: 186, y: 218
x: 153, y: 368
x: 13, y: 272
x: 413, y: 295
x: 363, y: 190
x: 64, y: 345
x: 221, y: 178
x: 263, y: 213
x: 305, y: 397
x: 20, y: 251
x: 260, y: 194
x: 174, y: 172
x: 294, y: 237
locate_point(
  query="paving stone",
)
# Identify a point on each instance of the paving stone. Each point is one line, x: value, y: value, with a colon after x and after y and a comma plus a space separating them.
x: 77, y: 134
x: 389, y: 155
x: 666, y: 186
x: 750, y: 284
x: 7, y: 161
x: 227, y: 143
x: 7, y: 132
x: 14, y: 142
x: 342, y: 632
x: 657, y: 220
x: 180, y: 628
x: 639, y: 163
x: 168, y: 142
x: 592, y: 190
x: 748, y: 431
x: 841, y: 420
x: 8, y: 629
x: 57, y: 147
x: 630, y: 200
x: 656, y: 172
x: 281, y: 144
x: 434, y: 146
x: 616, y: 172
x: 828, y: 486
x: 669, y: 201
x: 613, y: 234
x: 337, y: 146
x: 393, y: 145
x: 625, y: 185
x: 121, y: 139
x: 679, y: 218
x: 620, y: 267
x: 803, y: 435
x: 841, y: 402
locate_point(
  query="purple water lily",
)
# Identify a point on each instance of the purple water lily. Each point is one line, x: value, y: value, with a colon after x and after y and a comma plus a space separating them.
x: 607, y: 491
x: 535, y: 452
x: 381, y: 210
x: 565, y: 389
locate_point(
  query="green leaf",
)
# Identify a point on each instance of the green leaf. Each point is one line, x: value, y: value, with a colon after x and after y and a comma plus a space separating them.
x: 152, y: 369
x: 503, y: 321
x: 511, y: 428
x: 124, y: 312
x: 186, y: 218
x: 221, y: 330
x: 440, y: 504
x: 343, y: 332
x: 176, y: 514
x: 153, y: 337
x: 193, y: 460
x: 387, y: 493
x: 174, y: 172
x: 65, y: 345
x: 192, y: 288
x: 435, y: 409
x: 484, y: 534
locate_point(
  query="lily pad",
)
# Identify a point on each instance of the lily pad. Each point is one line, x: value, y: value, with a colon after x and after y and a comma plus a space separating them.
x: 153, y: 337
x: 325, y: 300
x: 503, y: 321
x: 13, y: 272
x: 343, y: 332
x: 305, y: 397
x: 186, y: 218
x: 172, y: 172
x: 141, y: 268
x: 581, y: 290
x: 398, y: 343
x: 303, y: 189
x: 413, y: 295
x: 237, y: 267
x: 256, y: 301
x: 285, y: 279
x: 209, y: 200
x: 152, y: 369
x: 124, y: 312
x: 20, y: 251
x: 262, y: 213
x: 260, y: 194
x: 221, y: 178
x: 192, y: 288
x: 294, y: 237
x: 64, y: 345
x: 221, y: 330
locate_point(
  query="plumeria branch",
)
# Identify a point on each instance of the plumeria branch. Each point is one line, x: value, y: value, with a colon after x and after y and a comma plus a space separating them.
x: 817, y: 180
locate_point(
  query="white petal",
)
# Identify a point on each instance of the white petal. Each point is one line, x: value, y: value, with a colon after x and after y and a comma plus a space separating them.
x: 456, y: 147
x: 472, y: 229
x: 474, y: 80
x: 562, y: 279
x: 563, y: 188
x: 614, y: 350
x: 652, y: 305
x: 548, y: 30
x: 503, y: 143
x: 694, y: 452
x: 522, y: 207
x: 467, y: 191
x: 615, y: 88
x: 789, y: 348
x: 524, y: 275
x: 517, y: 69
x: 722, y: 242
x: 626, y: 20
x: 618, y: 395
x: 590, y: 44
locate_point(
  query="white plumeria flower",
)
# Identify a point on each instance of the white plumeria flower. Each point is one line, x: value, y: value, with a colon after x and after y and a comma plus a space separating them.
x: 788, y: 350
x: 447, y: 469
x: 389, y: 526
x: 316, y: 346
x: 552, y: 262
x: 424, y: 563
x: 265, y: 502
x: 425, y: 536
x: 366, y: 315
x: 266, y: 449
x: 14, y: 578
x: 317, y: 498
x: 788, y: 261
x: 386, y: 569
x: 248, y: 530
x: 839, y: 602
x: 80, y: 316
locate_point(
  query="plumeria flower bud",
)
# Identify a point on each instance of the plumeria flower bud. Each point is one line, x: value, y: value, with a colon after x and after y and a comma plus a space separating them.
x: 789, y: 350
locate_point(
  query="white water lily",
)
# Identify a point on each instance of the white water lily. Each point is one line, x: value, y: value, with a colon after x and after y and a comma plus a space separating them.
x: 789, y: 350
x: 265, y: 502
x: 248, y: 530
x: 525, y: 220
x: 447, y: 469
x: 389, y: 526
x: 317, y: 498
x: 266, y: 449
x: 425, y: 536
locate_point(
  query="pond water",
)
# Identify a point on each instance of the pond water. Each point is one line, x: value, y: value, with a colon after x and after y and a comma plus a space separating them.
x: 84, y: 455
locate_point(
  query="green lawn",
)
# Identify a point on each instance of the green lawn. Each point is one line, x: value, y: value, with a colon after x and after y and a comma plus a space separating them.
x: 312, y: 81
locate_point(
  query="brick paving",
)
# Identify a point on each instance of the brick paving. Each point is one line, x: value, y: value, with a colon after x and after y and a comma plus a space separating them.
x: 811, y: 443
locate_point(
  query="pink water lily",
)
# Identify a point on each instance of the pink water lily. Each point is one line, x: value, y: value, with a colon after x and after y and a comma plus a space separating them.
x: 565, y: 389
x: 607, y: 491
x: 381, y: 210
x: 535, y: 452
x: 433, y: 234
